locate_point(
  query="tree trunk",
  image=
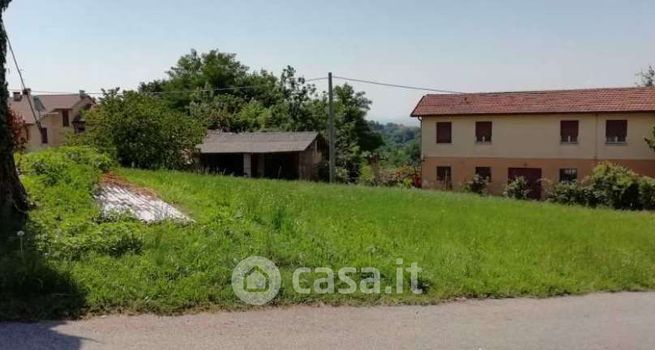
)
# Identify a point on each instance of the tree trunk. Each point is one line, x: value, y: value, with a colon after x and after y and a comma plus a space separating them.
x: 13, y: 200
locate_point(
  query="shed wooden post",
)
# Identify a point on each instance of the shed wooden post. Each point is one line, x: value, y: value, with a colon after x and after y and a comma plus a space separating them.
x: 247, y: 165
x: 261, y: 165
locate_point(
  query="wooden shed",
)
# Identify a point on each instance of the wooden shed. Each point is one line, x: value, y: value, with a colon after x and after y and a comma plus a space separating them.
x: 275, y: 155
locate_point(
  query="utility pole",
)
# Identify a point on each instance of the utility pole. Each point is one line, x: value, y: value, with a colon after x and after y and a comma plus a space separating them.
x: 331, y: 132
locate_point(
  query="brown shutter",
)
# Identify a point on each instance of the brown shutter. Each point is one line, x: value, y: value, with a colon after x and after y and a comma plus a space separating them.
x: 483, y: 131
x: 616, y: 130
x: 444, y: 175
x: 44, y: 136
x: 569, y: 130
x: 444, y: 132
x: 65, y: 118
x: 484, y: 172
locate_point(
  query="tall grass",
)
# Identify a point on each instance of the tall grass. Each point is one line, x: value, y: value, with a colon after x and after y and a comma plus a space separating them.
x: 468, y: 246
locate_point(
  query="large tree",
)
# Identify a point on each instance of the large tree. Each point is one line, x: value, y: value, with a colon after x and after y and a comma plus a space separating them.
x: 217, y: 88
x: 13, y: 200
x: 142, y: 131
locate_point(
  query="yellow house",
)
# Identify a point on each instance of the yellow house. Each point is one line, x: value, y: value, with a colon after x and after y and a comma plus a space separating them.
x: 544, y: 136
x: 59, y: 116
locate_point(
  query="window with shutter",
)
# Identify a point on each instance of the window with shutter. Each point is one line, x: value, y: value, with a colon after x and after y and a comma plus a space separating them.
x: 483, y: 132
x: 569, y: 131
x: 44, y: 136
x: 444, y: 175
x: 484, y: 172
x: 568, y: 175
x: 616, y: 131
x: 65, y: 117
x: 444, y: 132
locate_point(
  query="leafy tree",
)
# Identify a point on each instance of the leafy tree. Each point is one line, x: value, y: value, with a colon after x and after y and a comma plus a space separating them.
x: 142, y: 131
x: 648, y: 77
x: 218, y: 89
x: 651, y: 141
x: 355, y: 137
x: 194, y: 73
x: 217, y: 79
x: 13, y: 199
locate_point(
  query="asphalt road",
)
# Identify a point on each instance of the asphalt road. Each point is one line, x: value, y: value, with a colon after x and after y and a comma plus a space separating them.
x: 600, y: 321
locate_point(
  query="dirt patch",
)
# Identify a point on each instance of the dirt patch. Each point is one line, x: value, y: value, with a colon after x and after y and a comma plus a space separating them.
x: 111, y: 179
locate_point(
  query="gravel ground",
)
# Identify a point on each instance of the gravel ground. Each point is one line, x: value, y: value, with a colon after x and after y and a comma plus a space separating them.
x: 599, y: 321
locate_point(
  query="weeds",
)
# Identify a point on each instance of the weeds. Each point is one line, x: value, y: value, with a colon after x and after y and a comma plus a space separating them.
x: 467, y: 245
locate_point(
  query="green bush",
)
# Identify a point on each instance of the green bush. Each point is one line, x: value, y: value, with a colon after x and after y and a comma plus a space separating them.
x: 616, y: 186
x: 647, y: 193
x: 477, y: 184
x: 65, y: 165
x: 402, y: 176
x: 517, y: 189
x: 141, y: 131
x: 63, y: 180
x: 610, y: 185
x: 575, y: 192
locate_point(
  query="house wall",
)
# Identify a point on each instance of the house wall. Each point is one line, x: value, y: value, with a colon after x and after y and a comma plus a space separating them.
x: 57, y: 133
x: 533, y: 141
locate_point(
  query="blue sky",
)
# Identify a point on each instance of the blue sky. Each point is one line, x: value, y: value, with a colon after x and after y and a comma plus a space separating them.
x: 67, y: 45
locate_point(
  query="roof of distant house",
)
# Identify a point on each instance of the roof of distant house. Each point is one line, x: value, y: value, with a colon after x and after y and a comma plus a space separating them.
x: 257, y: 142
x: 43, y: 104
x: 635, y: 99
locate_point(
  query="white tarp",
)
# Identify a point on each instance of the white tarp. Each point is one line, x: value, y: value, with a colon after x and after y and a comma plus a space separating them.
x: 117, y: 199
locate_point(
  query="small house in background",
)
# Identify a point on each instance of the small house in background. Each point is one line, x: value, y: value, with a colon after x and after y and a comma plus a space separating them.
x: 59, y: 115
x: 274, y: 155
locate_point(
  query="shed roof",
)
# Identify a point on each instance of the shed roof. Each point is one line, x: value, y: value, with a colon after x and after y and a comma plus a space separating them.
x: 632, y: 99
x: 257, y: 142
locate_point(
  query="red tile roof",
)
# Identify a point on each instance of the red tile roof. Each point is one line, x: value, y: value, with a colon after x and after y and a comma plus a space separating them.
x: 636, y: 99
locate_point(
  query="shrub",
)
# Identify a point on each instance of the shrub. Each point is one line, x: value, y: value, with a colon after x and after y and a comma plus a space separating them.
x: 18, y: 130
x: 65, y: 165
x: 403, y: 176
x: 87, y: 156
x: 616, y: 186
x: 477, y: 184
x: 572, y: 193
x: 367, y: 176
x: 611, y: 186
x: 141, y: 131
x: 64, y: 180
x: 113, y: 239
x: 517, y: 189
x: 647, y: 193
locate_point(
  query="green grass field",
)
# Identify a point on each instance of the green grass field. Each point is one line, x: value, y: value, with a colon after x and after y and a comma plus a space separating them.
x: 468, y: 246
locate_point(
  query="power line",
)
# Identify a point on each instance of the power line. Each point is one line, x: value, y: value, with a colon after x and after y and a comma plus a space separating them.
x: 22, y: 80
x: 398, y: 85
x: 234, y: 88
